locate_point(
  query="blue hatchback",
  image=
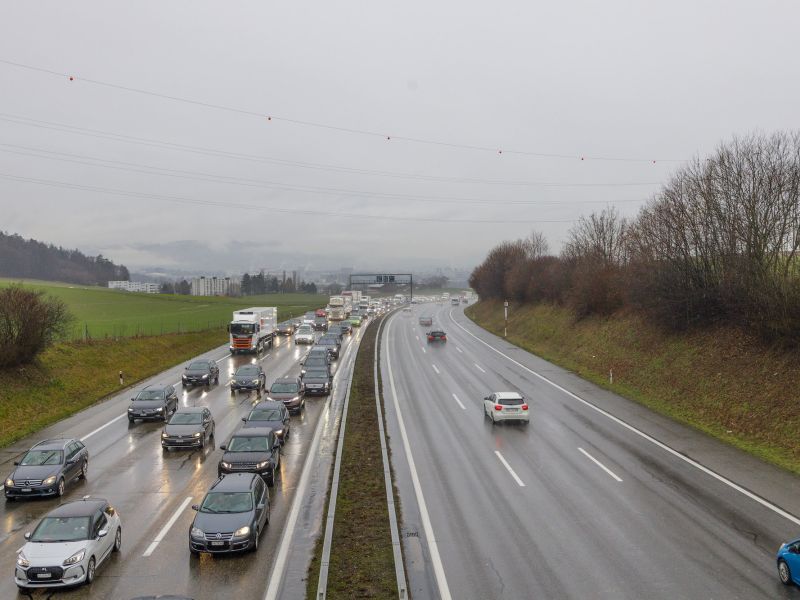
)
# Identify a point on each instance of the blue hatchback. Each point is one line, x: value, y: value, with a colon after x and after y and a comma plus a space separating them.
x: 789, y: 562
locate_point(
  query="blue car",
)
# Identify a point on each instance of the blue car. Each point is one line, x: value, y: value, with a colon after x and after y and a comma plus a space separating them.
x: 789, y: 563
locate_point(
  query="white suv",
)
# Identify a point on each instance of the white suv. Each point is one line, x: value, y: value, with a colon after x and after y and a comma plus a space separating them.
x: 506, y: 406
x: 304, y: 335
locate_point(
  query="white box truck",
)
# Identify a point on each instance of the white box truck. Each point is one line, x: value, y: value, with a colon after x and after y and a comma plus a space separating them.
x: 336, y: 308
x: 253, y: 329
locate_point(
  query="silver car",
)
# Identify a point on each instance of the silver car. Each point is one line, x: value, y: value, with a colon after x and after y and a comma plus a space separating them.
x: 68, y: 545
x: 304, y: 335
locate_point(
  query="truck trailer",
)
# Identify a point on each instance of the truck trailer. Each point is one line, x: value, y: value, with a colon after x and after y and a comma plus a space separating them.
x: 336, y: 308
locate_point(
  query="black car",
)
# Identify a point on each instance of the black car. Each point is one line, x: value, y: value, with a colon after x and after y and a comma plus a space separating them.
x: 249, y: 377
x: 332, y: 343
x: 290, y: 391
x: 317, y: 361
x: 346, y: 328
x: 154, y: 402
x: 47, y: 468
x: 320, y: 323
x: 317, y: 381
x: 200, y: 372
x: 272, y: 414
x: 189, y: 427
x: 286, y: 328
x: 252, y: 450
x: 337, y: 331
x: 231, y: 516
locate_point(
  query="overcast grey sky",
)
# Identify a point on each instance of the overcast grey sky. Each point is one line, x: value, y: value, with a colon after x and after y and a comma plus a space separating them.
x: 639, y: 80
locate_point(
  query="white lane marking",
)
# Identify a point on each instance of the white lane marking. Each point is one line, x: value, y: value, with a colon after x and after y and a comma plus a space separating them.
x: 460, y: 350
x: 433, y: 545
x: 423, y: 349
x: 164, y: 530
x: 435, y: 368
x: 416, y: 336
x: 690, y: 461
x: 228, y: 355
x: 99, y: 429
x: 601, y: 465
x: 477, y: 366
x: 509, y: 469
x: 459, y: 402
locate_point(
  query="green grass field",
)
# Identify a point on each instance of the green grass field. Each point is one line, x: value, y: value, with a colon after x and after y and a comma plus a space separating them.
x: 100, y: 312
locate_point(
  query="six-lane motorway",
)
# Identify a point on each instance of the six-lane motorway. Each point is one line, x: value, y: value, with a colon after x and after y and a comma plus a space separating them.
x: 596, y: 498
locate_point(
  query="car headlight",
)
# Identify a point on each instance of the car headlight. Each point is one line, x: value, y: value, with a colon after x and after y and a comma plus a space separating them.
x: 262, y: 465
x: 160, y: 409
x: 198, y: 434
x: 242, y: 531
x: 22, y: 560
x: 197, y: 533
x: 256, y: 381
x: 164, y: 434
x: 130, y: 410
x: 225, y: 465
x: 183, y: 376
x: 9, y: 482
x: 278, y: 432
x: 50, y: 480
x: 205, y: 376
x: 75, y: 558
x: 296, y: 398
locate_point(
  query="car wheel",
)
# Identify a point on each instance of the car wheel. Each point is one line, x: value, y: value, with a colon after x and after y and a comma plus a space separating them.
x: 784, y: 574
x: 202, y: 441
x: 118, y: 540
x: 84, y: 470
x: 216, y: 379
x: 254, y: 545
x: 90, y: 569
x: 271, y: 478
x: 193, y: 552
x: 131, y: 420
x: 183, y: 385
x: 60, y: 490
x: 212, y: 433
x: 494, y: 421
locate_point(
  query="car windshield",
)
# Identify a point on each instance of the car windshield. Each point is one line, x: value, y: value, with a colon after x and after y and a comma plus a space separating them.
x: 227, y: 502
x: 43, y: 457
x: 327, y: 342
x: 180, y: 418
x: 198, y: 366
x: 247, y: 370
x: 61, y: 529
x: 304, y: 329
x: 284, y: 388
x: 149, y: 395
x: 243, y: 328
x: 249, y: 444
x: 510, y: 401
x: 265, y: 414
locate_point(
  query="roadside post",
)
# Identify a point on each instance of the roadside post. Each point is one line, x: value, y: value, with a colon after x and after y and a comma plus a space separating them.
x: 505, y: 311
x: 121, y: 379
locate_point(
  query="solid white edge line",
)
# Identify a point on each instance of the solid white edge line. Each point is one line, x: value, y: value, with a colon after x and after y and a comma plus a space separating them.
x: 423, y: 349
x: 164, y: 530
x: 99, y: 429
x: 433, y: 546
x: 477, y: 366
x: 459, y: 349
x: 601, y: 465
x: 279, y: 565
x: 519, y: 481
x: 435, y: 368
x: 755, y: 497
x: 459, y: 402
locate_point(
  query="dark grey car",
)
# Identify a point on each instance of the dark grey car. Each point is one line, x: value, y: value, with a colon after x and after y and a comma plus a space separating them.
x: 271, y: 414
x: 256, y: 450
x: 332, y: 343
x: 190, y: 426
x: 231, y: 516
x: 47, y: 468
x: 249, y: 377
x: 290, y: 391
x: 154, y: 402
x: 200, y: 372
x: 317, y: 381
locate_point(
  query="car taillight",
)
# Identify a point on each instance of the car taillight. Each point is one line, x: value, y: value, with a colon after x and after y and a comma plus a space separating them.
x: 524, y: 407
x: 498, y: 407
x: 430, y: 338
x: 444, y: 337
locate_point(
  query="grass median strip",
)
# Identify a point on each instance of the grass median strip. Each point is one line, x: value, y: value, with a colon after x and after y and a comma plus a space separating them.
x: 362, y: 560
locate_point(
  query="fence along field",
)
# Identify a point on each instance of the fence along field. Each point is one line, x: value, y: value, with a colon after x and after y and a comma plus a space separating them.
x: 100, y: 312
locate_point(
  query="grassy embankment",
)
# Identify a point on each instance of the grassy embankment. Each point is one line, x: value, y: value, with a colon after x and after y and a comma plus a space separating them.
x: 113, y: 313
x: 719, y: 381
x: 362, y: 561
x: 72, y: 375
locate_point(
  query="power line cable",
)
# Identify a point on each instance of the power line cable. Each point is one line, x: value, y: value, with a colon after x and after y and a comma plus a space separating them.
x: 364, y: 132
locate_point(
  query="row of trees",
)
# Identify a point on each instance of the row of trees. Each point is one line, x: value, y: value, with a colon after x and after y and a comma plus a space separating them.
x: 264, y: 284
x: 31, y: 259
x: 718, y: 243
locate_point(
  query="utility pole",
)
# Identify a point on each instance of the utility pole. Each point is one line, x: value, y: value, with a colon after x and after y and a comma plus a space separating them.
x: 505, y: 311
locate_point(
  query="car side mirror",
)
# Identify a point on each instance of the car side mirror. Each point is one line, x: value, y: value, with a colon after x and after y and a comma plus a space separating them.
x: 223, y: 447
x: 16, y: 463
x: 195, y: 507
x: 261, y: 506
x: 133, y: 399
x: 102, y: 533
x: 27, y: 535
x: 276, y: 445
x: 244, y: 419
x: 486, y: 397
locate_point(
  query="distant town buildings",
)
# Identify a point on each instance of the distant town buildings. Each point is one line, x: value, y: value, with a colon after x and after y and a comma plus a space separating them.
x: 135, y: 286
x: 214, y: 286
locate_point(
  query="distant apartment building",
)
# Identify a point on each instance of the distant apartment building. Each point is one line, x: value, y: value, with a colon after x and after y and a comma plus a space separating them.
x: 214, y: 286
x: 135, y: 286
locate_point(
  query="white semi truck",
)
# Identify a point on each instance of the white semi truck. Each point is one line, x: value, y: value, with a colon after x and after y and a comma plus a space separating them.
x: 336, y: 308
x: 253, y: 329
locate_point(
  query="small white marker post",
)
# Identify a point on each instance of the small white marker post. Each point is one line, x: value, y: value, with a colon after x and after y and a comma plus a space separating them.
x: 611, y: 376
x: 505, y: 311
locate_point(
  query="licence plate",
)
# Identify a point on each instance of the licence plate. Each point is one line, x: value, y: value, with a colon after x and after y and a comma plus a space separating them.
x: 44, y: 575
x: 512, y: 410
x: 217, y: 543
x: 27, y: 489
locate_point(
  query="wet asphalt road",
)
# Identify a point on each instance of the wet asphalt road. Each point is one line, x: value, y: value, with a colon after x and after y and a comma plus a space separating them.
x: 148, y: 486
x: 531, y: 511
